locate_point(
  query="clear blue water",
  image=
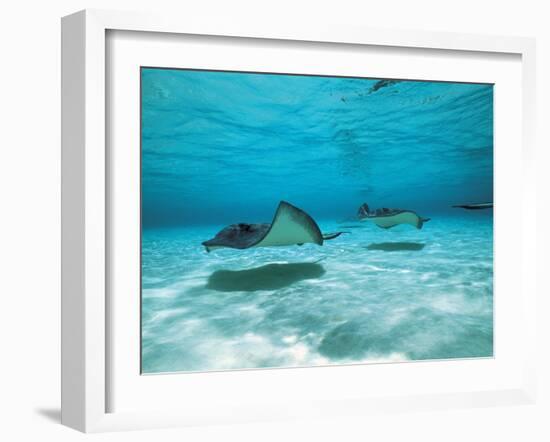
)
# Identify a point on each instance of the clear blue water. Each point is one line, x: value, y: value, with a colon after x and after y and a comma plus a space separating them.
x: 221, y: 148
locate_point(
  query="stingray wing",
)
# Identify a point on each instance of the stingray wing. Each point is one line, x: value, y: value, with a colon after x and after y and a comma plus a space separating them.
x: 290, y: 226
x: 237, y: 236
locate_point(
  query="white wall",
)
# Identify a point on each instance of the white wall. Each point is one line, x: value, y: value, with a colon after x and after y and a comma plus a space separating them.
x: 29, y: 221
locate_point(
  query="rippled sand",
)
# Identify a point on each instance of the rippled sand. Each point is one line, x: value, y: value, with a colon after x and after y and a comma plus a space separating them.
x: 372, y: 295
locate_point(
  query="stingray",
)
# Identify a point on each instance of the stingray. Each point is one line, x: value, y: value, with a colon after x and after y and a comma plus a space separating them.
x: 290, y: 226
x: 475, y: 206
x: 388, y: 218
x: 382, y: 83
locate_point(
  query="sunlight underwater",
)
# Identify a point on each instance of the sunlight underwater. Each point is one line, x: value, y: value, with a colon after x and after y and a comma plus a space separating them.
x: 371, y: 295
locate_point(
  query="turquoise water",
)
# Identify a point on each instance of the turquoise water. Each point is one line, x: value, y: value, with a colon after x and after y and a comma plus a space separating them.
x: 222, y: 148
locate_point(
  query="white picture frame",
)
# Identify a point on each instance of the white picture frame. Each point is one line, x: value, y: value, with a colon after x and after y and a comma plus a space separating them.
x: 86, y: 207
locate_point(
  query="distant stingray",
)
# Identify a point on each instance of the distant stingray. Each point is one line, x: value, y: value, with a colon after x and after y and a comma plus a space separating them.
x: 382, y: 83
x: 475, y: 206
x: 388, y: 218
x: 290, y: 226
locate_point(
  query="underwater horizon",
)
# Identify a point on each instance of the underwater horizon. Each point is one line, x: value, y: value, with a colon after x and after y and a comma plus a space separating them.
x: 223, y: 148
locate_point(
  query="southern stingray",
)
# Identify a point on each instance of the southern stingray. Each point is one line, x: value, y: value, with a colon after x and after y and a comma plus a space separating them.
x: 388, y: 218
x: 475, y: 206
x: 290, y: 226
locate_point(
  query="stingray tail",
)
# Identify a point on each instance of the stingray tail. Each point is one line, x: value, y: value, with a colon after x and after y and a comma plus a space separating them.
x: 332, y: 235
x: 421, y: 222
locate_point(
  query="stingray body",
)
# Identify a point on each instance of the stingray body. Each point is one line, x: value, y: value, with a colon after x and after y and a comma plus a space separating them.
x: 388, y: 218
x: 475, y: 206
x: 290, y: 226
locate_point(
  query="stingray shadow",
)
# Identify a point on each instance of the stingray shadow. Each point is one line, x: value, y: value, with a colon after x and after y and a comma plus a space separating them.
x: 396, y: 246
x: 267, y: 277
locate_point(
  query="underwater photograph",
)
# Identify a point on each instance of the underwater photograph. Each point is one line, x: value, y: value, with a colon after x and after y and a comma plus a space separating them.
x: 300, y: 220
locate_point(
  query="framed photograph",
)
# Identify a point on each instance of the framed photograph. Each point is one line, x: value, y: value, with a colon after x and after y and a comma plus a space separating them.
x: 267, y: 222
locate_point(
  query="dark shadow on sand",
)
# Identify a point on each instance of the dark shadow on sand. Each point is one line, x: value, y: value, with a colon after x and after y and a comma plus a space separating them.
x: 396, y: 246
x: 267, y: 277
